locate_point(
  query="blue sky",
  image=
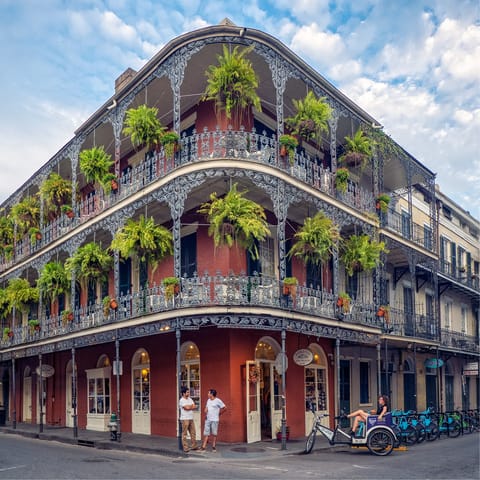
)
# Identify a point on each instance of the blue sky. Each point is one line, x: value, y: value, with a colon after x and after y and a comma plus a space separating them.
x: 413, y: 65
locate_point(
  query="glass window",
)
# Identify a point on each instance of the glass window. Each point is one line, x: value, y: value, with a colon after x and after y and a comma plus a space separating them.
x: 427, y: 237
x: 98, y: 391
x: 190, y: 370
x: 141, y: 381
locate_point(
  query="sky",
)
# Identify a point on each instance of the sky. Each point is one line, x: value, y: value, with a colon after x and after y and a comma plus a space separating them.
x: 414, y: 65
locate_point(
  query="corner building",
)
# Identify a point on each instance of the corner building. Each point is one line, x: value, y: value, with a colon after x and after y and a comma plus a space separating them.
x: 230, y: 326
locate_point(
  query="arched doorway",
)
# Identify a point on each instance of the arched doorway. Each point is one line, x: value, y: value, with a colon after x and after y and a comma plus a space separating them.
x: 264, y: 392
x: 141, y: 392
x: 190, y: 378
x: 316, y: 385
x: 99, y: 394
x: 27, y: 395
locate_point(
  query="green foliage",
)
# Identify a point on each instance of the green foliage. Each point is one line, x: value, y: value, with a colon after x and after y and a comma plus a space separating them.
x: 290, y: 143
x: 95, y: 164
x: 53, y: 280
x: 361, y: 253
x: 233, y: 83
x: 358, y: 149
x: 143, y: 127
x: 143, y: 238
x: 170, y: 141
x: 55, y: 192
x: 315, y: 241
x: 6, y: 233
x: 235, y: 219
x: 290, y: 281
x: 26, y: 214
x: 341, y: 179
x: 20, y: 294
x: 383, y: 201
x: 311, y: 117
x: 35, y: 235
x: 89, y: 263
x: 4, y: 304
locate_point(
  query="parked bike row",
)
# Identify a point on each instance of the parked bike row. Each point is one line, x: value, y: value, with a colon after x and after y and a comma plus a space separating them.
x: 396, y: 428
x: 415, y: 427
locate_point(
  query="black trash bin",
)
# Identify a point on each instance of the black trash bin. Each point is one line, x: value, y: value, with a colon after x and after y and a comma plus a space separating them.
x: 2, y: 416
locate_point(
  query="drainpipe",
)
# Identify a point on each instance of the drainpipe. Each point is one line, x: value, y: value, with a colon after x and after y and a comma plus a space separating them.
x: 387, y: 380
x: 14, y: 395
x: 74, y: 394
x: 117, y: 362
x: 179, y: 384
x: 337, y: 365
x: 284, y: 420
x: 40, y: 425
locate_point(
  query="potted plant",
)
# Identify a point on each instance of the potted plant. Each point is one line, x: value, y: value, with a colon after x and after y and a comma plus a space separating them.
x: 384, y: 311
x: 343, y: 302
x: 290, y: 286
x: 358, y: 150
x: 232, y: 84
x: 143, y: 127
x: 288, y: 146
x: 7, y: 333
x: 382, y: 202
x: 361, y: 253
x: 316, y: 240
x: 170, y: 141
x: 341, y: 179
x: 35, y: 235
x: 55, y: 191
x: 6, y: 234
x: 67, y: 316
x: 52, y: 281
x: 34, y: 325
x: 95, y: 164
x: 235, y: 219
x: 143, y: 239
x: 311, y: 118
x: 172, y: 286
x: 106, y: 305
x: 68, y: 211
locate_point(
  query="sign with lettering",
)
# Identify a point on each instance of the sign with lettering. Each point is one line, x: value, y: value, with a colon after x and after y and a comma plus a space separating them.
x: 303, y: 357
x: 47, y: 370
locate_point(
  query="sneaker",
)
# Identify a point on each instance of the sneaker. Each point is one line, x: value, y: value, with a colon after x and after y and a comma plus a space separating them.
x: 214, y: 450
x: 196, y: 448
x: 186, y: 451
x: 202, y: 449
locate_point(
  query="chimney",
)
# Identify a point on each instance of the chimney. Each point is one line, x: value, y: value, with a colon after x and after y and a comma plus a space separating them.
x: 124, y: 78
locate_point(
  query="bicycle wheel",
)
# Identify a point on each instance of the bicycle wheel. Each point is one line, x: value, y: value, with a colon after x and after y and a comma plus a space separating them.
x: 421, y: 433
x: 310, y: 441
x: 432, y: 432
x: 409, y: 435
x: 454, y: 429
x: 380, y: 442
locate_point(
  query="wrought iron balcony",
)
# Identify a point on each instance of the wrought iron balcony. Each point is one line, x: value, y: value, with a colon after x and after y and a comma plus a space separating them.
x: 460, y: 341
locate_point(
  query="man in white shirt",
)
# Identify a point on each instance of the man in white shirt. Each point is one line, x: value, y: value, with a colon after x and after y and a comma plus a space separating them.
x: 214, y: 408
x: 187, y: 406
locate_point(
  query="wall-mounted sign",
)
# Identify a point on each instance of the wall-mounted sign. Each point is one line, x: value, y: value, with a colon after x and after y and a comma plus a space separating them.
x: 433, y: 363
x: 47, y: 370
x: 470, y: 368
x: 279, y: 363
x: 303, y: 357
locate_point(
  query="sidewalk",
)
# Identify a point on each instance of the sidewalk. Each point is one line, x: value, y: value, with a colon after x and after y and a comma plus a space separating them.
x: 155, y: 444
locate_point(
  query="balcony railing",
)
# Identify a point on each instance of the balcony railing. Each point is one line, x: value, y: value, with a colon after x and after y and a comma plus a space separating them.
x: 232, y: 290
x: 207, y: 145
x: 460, y: 274
x: 460, y: 341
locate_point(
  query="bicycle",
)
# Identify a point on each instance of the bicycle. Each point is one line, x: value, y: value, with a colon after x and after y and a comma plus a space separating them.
x: 406, y: 432
x: 379, y: 437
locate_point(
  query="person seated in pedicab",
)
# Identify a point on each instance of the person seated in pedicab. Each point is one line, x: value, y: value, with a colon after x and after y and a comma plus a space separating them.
x: 361, y: 415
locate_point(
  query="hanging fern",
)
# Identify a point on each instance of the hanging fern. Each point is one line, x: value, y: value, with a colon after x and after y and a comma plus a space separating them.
x: 235, y: 219
x: 151, y: 243
x: 143, y: 126
x: 53, y: 280
x: 316, y: 240
x: 361, y: 253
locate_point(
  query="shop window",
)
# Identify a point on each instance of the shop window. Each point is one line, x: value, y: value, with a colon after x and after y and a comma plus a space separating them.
x: 99, y: 390
x: 190, y: 370
x: 141, y: 381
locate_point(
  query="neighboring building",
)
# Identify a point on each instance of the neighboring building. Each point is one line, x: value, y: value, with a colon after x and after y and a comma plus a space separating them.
x: 230, y: 326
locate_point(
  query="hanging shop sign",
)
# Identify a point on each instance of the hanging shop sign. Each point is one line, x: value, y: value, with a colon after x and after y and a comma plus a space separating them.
x: 433, y: 363
x: 47, y: 370
x: 279, y: 363
x: 303, y: 357
x: 470, y: 368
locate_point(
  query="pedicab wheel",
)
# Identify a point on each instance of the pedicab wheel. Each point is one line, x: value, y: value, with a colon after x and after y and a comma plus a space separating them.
x: 310, y: 441
x: 380, y: 442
